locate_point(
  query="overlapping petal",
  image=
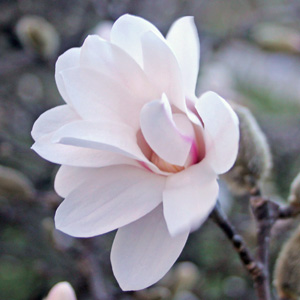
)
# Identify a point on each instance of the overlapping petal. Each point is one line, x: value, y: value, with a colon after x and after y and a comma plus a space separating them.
x: 113, y: 197
x: 189, y: 197
x: 49, y: 123
x: 108, y: 136
x: 53, y: 119
x: 76, y: 156
x: 126, y: 33
x: 144, y: 251
x: 183, y: 40
x: 96, y: 96
x: 114, y: 62
x: 162, y: 69
x: 68, y: 60
x: 221, y: 131
x: 162, y: 134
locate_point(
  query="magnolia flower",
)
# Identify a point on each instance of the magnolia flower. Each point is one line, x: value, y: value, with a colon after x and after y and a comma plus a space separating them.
x: 139, y: 151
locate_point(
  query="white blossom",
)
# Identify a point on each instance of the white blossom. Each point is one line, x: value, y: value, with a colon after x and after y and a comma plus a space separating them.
x: 139, y: 151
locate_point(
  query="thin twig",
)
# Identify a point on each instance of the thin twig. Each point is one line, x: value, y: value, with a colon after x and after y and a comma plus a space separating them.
x: 219, y: 217
x: 265, y: 213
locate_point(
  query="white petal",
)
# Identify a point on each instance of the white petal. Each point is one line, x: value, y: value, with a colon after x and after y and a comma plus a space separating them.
x: 96, y: 96
x: 162, y: 69
x: 143, y: 251
x: 183, y: 39
x: 109, y: 198
x: 115, y: 63
x: 67, y: 60
x: 189, y: 197
x: 52, y: 120
x: 108, y: 136
x: 221, y: 130
x: 126, y: 33
x: 161, y: 133
x: 69, y: 178
x: 76, y: 156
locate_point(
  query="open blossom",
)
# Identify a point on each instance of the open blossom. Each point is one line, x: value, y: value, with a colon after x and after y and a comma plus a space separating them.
x: 139, y: 151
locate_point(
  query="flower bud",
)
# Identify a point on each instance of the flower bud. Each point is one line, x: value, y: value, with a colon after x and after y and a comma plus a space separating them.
x: 287, y: 270
x: 61, y: 291
x: 14, y: 185
x: 294, y: 197
x: 253, y: 163
x: 38, y: 35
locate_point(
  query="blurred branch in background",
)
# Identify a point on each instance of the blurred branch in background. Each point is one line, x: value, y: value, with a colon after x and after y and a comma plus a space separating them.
x: 245, y: 61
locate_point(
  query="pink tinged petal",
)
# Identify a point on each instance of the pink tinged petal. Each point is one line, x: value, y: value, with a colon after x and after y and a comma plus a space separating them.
x: 162, y: 69
x: 221, y: 129
x: 189, y: 197
x: 96, y: 96
x: 183, y: 40
x: 52, y: 120
x: 115, y: 63
x: 143, y: 251
x: 67, y: 60
x: 126, y: 33
x: 109, y: 198
x: 162, y: 134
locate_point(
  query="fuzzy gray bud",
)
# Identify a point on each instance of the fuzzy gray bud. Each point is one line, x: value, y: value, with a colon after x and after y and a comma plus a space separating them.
x: 287, y: 270
x: 254, y: 162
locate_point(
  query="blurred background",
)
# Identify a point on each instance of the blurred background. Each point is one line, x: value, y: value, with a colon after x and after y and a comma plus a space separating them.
x: 250, y: 54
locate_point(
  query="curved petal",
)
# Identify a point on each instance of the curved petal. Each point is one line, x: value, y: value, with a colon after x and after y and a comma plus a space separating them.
x: 109, y: 198
x: 189, y: 198
x: 49, y: 123
x: 115, y: 63
x: 183, y: 40
x: 162, y: 69
x: 126, y: 33
x: 67, y: 60
x: 52, y: 120
x: 96, y: 96
x: 107, y: 136
x: 76, y: 156
x: 143, y: 251
x: 221, y: 130
x: 68, y: 178
x: 162, y: 134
